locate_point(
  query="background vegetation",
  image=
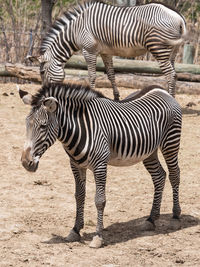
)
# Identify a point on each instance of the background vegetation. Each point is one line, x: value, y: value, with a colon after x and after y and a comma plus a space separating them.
x: 22, y: 23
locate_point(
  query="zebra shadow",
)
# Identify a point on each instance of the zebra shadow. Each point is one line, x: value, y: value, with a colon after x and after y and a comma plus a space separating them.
x: 121, y: 232
x: 124, y: 231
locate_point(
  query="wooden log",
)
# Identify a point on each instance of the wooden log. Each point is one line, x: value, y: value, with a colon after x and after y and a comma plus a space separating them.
x: 4, y: 72
x: 32, y: 73
x: 122, y: 80
x: 131, y: 66
x: 25, y: 72
x: 189, y: 77
x: 138, y: 82
x: 184, y: 71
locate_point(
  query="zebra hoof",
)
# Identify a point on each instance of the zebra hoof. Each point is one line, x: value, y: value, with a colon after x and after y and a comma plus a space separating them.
x: 73, y: 237
x: 147, y: 226
x: 176, y: 217
x: 97, y: 242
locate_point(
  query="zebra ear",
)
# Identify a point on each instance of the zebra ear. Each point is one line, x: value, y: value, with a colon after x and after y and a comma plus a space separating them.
x: 51, y: 104
x: 25, y: 96
x: 34, y: 58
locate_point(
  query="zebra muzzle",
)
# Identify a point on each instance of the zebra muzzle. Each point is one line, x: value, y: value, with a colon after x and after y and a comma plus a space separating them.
x: 28, y: 162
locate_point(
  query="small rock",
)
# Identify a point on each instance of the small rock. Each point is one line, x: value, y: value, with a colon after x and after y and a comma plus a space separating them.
x: 41, y: 182
x: 190, y: 104
x: 5, y: 94
x: 180, y: 261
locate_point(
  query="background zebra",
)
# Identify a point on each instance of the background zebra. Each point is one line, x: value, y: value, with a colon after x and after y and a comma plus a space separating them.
x: 99, y: 28
x: 96, y: 131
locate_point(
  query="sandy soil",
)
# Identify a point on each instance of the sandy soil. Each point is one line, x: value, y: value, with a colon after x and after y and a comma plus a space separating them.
x: 37, y: 210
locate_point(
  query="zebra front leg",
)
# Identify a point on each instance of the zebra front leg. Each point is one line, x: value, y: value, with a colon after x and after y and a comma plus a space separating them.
x: 91, y: 60
x: 158, y: 175
x: 100, y: 202
x: 80, y: 181
x: 108, y: 62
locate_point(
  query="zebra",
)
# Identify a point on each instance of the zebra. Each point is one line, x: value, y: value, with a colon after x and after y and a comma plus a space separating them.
x: 96, y: 131
x: 97, y: 28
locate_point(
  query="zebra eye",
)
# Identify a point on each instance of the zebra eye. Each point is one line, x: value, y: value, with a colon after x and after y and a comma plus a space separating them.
x: 43, y: 126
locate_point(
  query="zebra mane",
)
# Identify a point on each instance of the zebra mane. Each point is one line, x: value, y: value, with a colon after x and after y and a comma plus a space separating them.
x: 66, y: 91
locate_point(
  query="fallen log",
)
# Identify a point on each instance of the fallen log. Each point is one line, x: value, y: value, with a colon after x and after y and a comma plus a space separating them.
x: 30, y: 73
x: 122, y: 80
x: 131, y: 66
x: 189, y: 77
x: 4, y: 72
x: 185, y: 72
x: 138, y: 82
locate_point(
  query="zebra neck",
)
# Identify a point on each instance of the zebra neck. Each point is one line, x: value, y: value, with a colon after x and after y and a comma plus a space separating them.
x: 61, y: 44
x: 70, y: 117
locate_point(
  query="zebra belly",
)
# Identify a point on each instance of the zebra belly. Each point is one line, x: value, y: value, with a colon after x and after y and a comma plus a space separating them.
x: 128, y: 161
x: 124, y: 51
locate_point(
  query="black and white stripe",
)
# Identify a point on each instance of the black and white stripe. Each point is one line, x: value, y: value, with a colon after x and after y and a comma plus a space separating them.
x: 99, y: 28
x: 96, y: 131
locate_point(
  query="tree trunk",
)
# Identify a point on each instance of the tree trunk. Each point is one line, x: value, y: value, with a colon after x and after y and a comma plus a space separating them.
x: 47, y: 7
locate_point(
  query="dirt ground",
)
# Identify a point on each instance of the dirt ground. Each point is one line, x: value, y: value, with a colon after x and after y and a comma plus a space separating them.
x: 37, y: 210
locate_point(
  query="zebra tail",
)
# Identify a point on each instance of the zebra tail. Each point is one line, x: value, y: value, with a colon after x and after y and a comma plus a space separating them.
x: 175, y: 42
x: 183, y: 36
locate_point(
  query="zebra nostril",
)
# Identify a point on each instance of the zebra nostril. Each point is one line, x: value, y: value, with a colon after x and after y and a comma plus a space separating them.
x: 30, y: 163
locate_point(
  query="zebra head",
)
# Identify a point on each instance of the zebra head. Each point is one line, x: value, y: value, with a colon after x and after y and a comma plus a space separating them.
x: 52, y: 72
x: 41, y: 129
x: 51, y: 69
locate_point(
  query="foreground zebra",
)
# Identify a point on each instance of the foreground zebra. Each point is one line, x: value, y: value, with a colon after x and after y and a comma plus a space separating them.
x: 99, y: 28
x: 96, y: 131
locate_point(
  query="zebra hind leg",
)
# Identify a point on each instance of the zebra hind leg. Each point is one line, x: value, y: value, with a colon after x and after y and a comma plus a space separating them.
x: 171, y: 158
x: 168, y: 69
x: 158, y: 175
x: 100, y: 202
x: 80, y: 181
x: 108, y: 62
x: 91, y: 60
x: 165, y: 58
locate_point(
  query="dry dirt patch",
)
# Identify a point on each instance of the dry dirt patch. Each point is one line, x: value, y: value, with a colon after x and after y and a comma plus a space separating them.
x: 38, y: 210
